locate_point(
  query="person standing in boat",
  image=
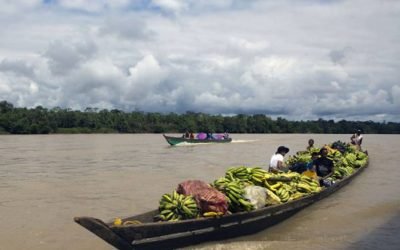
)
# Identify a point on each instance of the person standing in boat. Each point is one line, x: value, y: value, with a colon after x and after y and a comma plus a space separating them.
x: 356, y: 139
x: 277, y: 163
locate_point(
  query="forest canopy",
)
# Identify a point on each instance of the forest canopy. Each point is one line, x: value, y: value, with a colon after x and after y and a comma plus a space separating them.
x: 40, y: 120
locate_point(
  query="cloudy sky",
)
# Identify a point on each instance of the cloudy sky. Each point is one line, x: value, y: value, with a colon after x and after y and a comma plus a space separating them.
x: 297, y: 59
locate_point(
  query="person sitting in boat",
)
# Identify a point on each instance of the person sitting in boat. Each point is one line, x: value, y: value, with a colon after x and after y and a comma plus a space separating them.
x: 323, y: 165
x: 310, y: 144
x: 209, y: 136
x: 226, y: 135
x: 277, y: 163
x: 191, y: 135
x: 310, y: 164
x: 356, y: 139
x: 303, y: 167
x: 186, y: 135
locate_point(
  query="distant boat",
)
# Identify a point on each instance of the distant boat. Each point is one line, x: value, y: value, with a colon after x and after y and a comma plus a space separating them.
x: 173, y: 140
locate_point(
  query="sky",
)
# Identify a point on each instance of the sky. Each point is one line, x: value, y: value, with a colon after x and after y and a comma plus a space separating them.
x: 295, y: 59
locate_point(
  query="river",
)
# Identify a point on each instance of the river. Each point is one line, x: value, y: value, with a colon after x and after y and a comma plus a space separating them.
x: 46, y: 180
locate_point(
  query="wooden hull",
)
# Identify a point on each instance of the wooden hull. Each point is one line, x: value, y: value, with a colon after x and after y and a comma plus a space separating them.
x: 176, y: 140
x: 169, y: 235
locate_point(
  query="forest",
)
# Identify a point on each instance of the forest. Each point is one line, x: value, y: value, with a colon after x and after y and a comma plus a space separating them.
x: 40, y: 120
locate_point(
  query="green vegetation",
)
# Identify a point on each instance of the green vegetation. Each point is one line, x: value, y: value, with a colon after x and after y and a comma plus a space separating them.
x: 40, y: 120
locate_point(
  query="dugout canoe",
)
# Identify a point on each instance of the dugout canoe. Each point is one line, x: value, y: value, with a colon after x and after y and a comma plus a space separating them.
x: 172, y: 140
x: 170, y: 235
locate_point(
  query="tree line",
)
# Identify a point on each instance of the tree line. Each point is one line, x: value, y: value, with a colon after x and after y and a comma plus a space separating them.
x: 40, y: 120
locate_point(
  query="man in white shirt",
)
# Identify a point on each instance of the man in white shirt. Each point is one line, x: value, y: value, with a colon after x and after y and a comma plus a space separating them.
x: 356, y: 139
x: 277, y: 163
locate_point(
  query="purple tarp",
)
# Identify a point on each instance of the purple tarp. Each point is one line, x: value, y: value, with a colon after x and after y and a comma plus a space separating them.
x: 201, y: 136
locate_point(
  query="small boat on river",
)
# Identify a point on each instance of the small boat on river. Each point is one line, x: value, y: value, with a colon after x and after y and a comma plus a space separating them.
x: 173, y: 140
x: 144, y: 233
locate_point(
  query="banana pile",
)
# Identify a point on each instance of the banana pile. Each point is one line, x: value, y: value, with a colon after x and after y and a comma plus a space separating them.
x: 234, y: 191
x: 345, y: 163
x: 308, y: 185
x: 241, y: 173
x: 342, y: 171
x: 174, y: 207
x: 279, y: 188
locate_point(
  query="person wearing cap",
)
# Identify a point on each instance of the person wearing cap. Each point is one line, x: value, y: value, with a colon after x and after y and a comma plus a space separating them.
x: 277, y: 163
x: 356, y: 139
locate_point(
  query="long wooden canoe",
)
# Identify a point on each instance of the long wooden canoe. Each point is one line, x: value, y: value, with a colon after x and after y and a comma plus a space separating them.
x: 169, y: 235
x: 172, y: 140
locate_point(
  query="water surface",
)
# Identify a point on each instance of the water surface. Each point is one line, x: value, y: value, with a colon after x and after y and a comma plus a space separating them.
x: 46, y: 180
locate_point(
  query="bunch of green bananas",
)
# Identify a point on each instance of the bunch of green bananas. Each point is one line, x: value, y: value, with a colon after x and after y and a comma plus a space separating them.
x: 298, y: 158
x: 272, y: 198
x: 297, y: 187
x: 308, y: 185
x: 355, y: 160
x: 342, y: 171
x: 280, y: 189
x: 283, y: 193
x: 234, y: 191
x: 220, y: 183
x: 292, y: 176
x: 258, y: 176
x: 174, y: 207
x: 241, y: 173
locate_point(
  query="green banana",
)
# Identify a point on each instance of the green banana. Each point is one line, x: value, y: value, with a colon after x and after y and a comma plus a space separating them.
x: 188, y: 212
x: 165, y: 211
x: 166, y: 197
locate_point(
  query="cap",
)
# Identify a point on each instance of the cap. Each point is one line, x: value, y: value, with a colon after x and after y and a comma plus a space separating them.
x: 283, y: 149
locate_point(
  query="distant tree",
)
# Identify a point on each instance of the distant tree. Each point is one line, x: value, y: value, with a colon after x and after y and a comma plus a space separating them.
x: 6, y: 107
x: 40, y: 120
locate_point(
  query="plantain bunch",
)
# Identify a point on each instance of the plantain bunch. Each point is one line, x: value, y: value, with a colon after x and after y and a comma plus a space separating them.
x: 175, y: 206
x: 308, y: 185
x: 234, y: 191
x: 259, y: 175
x: 290, y: 186
x: 241, y: 173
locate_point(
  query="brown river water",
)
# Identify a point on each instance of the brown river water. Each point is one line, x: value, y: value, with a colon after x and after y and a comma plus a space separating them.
x: 46, y: 180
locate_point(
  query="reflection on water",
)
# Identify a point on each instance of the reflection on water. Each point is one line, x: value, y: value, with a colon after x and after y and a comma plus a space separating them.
x: 46, y: 180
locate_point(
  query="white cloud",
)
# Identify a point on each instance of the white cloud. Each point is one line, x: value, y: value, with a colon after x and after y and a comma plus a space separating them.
x: 93, y: 5
x: 126, y: 27
x: 396, y: 96
x: 5, y: 89
x: 10, y: 7
x: 148, y: 71
x: 174, y: 6
x: 273, y: 67
x: 295, y: 59
x: 243, y: 44
x: 33, y: 88
x: 64, y: 57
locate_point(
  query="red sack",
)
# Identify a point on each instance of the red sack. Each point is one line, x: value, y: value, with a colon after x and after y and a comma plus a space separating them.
x: 208, y: 199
